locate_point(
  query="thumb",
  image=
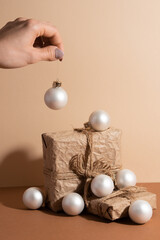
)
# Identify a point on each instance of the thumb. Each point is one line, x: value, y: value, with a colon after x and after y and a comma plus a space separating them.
x: 50, y: 53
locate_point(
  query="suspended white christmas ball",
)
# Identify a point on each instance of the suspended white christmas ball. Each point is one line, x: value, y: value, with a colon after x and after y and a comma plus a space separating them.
x: 140, y: 211
x: 56, y: 97
x: 33, y: 198
x: 102, y: 185
x: 125, y: 178
x: 99, y: 120
x: 73, y: 204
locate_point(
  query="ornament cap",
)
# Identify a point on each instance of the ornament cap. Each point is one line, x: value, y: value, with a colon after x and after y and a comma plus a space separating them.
x: 56, y: 83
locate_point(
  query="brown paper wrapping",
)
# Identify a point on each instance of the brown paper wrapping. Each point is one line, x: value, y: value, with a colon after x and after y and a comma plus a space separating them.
x: 60, y: 147
x: 116, y: 205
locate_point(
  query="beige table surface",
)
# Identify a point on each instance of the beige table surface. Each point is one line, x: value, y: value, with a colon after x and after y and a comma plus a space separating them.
x: 18, y: 223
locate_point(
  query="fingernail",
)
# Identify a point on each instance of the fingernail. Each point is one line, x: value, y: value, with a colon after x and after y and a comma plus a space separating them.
x: 58, y: 53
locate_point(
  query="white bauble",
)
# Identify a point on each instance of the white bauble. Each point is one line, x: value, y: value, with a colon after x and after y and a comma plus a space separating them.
x: 56, y: 98
x: 99, y: 120
x: 140, y: 211
x: 125, y: 178
x: 33, y: 198
x: 73, y: 204
x: 102, y: 185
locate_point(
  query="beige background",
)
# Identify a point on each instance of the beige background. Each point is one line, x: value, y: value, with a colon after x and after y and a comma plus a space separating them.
x: 112, y: 59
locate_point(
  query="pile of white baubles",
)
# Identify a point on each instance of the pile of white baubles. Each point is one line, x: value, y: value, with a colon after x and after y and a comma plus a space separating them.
x: 102, y: 185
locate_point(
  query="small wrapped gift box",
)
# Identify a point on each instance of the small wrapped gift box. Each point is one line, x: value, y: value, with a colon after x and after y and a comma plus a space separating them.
x: 65, y: 151
x: 116, y: 204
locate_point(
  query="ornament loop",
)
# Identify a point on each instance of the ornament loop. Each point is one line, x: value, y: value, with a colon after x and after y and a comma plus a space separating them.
x: 56, y: 83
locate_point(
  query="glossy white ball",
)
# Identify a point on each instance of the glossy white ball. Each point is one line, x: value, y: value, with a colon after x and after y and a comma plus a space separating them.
x: 73, y: 204
x: 99, y: 120
x: 56, y: 98
x: 102, y: 185
x: 140, y: 211
x: 33, y: 198
x: 125, y: 178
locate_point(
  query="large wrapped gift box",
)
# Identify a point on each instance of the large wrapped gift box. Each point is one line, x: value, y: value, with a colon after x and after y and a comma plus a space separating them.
x: 116, y: 204
x: 60, y: 147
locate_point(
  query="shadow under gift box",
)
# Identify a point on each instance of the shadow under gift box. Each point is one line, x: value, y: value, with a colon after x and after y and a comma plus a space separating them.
x: 58, y: 150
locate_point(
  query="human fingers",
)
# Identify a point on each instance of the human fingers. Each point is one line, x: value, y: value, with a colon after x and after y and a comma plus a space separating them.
x: 49, y: 53
x: 48, y: 31
x: 20, y: 19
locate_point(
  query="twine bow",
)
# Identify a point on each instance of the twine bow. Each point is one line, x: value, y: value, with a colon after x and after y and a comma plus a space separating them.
x: 83, y: 165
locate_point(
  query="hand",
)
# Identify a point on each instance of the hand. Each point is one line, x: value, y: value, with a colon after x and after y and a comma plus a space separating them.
x: 27, y: 41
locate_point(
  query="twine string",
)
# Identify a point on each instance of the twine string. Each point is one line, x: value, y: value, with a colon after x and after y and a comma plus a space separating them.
x: 83, y: 165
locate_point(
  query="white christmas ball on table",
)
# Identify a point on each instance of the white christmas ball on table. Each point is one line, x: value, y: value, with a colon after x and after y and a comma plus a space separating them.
x: 102, y: 185
x: 33, y: 198
x: 99, y: 120
x: 140, y: 211
x: 125, y: 178
x: 56, y: 97
x: 73, y: 204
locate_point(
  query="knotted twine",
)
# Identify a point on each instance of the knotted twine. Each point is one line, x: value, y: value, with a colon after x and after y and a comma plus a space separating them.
x: 83, y: 165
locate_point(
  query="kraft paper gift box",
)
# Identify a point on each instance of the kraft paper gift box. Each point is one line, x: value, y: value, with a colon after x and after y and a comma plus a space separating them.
x: 116, y: 204
x: 60, y: 147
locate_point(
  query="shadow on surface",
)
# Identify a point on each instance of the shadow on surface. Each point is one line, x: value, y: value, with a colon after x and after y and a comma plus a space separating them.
x: 88, y: 216
x: 12, y: 198
x: 84, y: 214
x: 125, y: 221
x: 48, y: 211
x: 18, y: 168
